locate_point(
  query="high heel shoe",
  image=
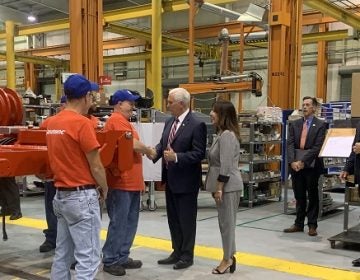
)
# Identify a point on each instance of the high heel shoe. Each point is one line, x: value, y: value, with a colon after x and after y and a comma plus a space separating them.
x: 231, y: 268
x: 233, y: 265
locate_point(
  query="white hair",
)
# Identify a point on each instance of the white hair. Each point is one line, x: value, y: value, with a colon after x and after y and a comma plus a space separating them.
x: 181, y: 95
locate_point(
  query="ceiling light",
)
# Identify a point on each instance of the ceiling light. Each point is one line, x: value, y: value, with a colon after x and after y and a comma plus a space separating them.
x: 31, y: 18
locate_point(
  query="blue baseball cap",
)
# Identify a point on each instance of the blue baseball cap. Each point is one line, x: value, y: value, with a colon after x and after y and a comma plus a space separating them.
x: 94, y: 86
x: 76, y: 86
x: 122, y: 95
x: 63, y: 99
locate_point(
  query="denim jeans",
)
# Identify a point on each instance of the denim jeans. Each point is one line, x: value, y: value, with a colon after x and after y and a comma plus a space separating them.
x: 78, y: 214
x: 51, y: 219
x: 123, y: 209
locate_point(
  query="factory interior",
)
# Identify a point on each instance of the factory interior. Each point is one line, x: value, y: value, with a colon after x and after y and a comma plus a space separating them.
x: 265, y: 57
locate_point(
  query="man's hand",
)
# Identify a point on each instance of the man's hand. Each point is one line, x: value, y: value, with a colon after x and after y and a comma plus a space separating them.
x: 356, y: 148
x: 297, y: 165
x: 169, y: 155
x: 343, y: 176
x: 151, y: 153
x: 103, y: 193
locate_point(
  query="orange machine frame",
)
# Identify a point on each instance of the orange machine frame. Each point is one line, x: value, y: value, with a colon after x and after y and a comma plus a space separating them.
x: 28, y: 156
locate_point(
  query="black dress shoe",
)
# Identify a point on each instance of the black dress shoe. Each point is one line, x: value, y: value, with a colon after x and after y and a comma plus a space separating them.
x: 16, y: 216
x: 169, y: 260
x: 47, y: 246
x: 183, y: 264
x: 356, y: 262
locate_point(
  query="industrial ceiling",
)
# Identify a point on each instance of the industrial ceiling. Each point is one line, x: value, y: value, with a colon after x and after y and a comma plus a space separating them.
x: 46, y: 10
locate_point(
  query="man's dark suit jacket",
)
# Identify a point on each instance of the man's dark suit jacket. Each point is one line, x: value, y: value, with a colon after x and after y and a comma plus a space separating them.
x: 314, y: 141
x: 189, y: 144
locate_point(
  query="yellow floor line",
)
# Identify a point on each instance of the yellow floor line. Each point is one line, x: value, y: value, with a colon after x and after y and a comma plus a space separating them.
x: 248, y: 259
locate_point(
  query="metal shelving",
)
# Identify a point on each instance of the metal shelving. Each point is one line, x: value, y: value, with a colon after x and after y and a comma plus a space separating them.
x: 258, y: 141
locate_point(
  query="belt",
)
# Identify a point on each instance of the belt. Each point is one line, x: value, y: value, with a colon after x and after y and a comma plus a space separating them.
x: 78, y: 188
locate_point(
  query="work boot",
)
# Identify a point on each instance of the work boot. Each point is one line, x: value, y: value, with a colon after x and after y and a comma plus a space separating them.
x: 312, y: 231
x: 293, y: 228
x: 115, y: 269
x: 47, y: 246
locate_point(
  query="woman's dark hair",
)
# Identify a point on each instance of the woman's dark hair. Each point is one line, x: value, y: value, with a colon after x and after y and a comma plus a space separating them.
x: 227, y: 117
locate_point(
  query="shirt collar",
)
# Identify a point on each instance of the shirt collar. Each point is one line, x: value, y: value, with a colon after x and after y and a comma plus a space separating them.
x: 309, y: 120
x: 182, y: 116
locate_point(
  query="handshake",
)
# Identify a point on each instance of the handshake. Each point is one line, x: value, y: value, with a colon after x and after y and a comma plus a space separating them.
x: 169, y: 154
x: 150, y: 153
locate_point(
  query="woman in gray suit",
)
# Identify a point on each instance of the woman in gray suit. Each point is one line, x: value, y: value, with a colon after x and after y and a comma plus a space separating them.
x: 224, y: 179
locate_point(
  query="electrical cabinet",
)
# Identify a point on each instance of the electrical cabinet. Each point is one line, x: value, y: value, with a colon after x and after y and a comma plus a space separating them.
x: 260, y: 160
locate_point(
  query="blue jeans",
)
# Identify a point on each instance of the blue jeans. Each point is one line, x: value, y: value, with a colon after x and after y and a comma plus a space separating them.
x: 79, y: 224
x: 51, y: 219
x: 123, y: 210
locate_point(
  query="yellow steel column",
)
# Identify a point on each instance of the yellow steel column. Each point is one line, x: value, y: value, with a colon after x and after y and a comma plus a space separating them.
x: 156, y: 49
x: 86, y: 23
x: 322, y: 65
x: 10, y: 55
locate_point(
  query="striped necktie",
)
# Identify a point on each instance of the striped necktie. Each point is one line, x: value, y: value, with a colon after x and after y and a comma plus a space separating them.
x: 172, y: 132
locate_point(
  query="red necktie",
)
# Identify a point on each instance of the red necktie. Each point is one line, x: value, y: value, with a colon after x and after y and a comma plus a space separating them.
x: 172, y: 132
x: 303, y: 135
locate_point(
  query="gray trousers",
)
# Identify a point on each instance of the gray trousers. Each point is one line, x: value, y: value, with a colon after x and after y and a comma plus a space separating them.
x: 227, y: 210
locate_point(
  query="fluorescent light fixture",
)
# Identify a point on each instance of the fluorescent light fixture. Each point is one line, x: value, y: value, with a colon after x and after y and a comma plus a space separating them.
x: 31, y: 18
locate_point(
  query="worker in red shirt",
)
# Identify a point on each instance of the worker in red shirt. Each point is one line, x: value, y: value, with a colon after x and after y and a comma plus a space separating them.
x: 75, y: 162
x: 124, y: 191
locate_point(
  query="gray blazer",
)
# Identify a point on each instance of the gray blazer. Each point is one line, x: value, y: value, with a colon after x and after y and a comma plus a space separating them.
x: 223, y: 159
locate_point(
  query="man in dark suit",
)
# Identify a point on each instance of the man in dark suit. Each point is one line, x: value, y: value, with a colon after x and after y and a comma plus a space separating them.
x: 305, y: 139
x: 182, y: 147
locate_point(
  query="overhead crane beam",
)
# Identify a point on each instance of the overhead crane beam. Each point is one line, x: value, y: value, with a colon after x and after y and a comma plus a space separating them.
x: 142, y: 56
x: 123, y: 42
x: 37, y: 60
x: 110, y: 16
x: 309, y: 38
x: 329, y: 9
x: 135, y: 32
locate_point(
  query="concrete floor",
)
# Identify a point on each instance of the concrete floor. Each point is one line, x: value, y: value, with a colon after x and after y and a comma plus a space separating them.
x: 264, y: 251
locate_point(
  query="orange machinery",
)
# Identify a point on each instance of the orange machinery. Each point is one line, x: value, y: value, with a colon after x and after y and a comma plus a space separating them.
x: 28, y: 155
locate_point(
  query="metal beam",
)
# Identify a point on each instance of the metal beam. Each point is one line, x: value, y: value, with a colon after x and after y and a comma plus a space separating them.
x: 329, y: 9
x: 37, y: 59
x: 134, y: 32
x: 110, y: 16
x: 145, y: 10
x: 142, y: 56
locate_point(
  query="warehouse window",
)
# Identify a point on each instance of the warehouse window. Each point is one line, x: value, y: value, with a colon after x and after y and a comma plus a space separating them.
x: 345, y: 87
